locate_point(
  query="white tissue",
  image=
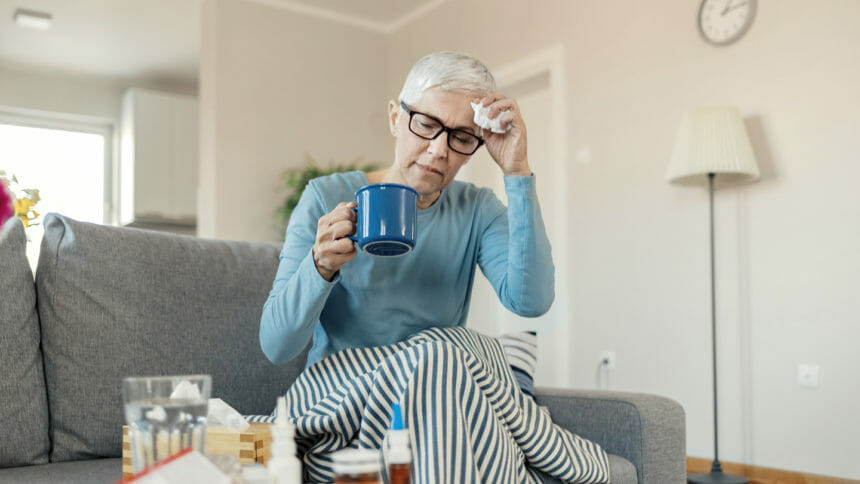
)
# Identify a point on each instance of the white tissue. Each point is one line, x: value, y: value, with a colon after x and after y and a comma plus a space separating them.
x: 223, y: 415
x: 481, y: 119
x: 186, y: 389
x: 219, y: 413
x: 157, y: 414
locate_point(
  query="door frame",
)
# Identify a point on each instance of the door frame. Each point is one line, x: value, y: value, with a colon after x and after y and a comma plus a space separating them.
x: 550, y: 61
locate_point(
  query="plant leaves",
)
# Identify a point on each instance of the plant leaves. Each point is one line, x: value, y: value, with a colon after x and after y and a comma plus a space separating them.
x: 296, y: 179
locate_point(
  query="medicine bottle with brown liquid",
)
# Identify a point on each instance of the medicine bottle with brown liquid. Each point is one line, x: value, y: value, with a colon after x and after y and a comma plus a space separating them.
x: 356, y: 466
x: 399, y: 454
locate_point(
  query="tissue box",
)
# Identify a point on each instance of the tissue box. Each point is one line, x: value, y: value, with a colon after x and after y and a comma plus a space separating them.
x: 249, y: 446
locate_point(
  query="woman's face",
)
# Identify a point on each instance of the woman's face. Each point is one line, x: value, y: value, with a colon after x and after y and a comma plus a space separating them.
x: 428, y: 166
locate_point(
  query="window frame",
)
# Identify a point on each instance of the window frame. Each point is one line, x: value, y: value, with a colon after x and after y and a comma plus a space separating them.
x: 80, y: 124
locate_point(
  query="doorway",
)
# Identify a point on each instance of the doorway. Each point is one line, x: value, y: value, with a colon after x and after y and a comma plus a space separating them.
x: 536, y: 84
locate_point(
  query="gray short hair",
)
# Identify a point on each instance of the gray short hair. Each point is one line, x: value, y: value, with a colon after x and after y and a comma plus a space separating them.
x: 447, y: 71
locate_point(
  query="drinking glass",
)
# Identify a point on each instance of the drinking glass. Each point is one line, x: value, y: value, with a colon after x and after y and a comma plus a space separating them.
x: 165, y: 414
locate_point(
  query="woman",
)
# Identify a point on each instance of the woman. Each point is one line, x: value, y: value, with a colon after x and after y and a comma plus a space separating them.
x: 326, y: 290
x: 386, y: 329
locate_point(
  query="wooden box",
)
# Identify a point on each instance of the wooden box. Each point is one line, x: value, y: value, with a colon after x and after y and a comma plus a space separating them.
x: 249, y: 446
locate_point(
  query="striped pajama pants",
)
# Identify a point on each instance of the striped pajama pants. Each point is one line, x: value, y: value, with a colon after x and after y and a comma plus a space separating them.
x: 467, y: 418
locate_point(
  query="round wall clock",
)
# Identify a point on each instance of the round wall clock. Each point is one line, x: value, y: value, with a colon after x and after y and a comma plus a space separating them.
x: 722, y: 22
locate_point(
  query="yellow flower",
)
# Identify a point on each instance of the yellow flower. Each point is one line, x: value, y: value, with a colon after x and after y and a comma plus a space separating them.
x: 23, y: 205
x: 24, y: 210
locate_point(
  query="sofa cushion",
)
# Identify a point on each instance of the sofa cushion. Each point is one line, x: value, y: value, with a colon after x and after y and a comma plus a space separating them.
x: 23, y: 407
x: 621, y: 471
x: 117, y: 302
x: 96, y: 471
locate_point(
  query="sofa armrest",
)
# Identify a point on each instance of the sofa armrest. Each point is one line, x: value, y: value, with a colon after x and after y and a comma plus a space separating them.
x: 648, y: 430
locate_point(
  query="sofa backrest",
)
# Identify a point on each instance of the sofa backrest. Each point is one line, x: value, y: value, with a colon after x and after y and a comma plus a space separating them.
x: 116, y: 302
x: 23, y: 408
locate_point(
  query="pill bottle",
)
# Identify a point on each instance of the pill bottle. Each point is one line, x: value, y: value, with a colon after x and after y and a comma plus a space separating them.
x: 399, y: 454
x: 352, y: 466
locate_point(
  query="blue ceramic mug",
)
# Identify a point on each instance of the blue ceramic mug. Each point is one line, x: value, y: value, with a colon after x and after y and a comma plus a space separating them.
x: 385, y: 219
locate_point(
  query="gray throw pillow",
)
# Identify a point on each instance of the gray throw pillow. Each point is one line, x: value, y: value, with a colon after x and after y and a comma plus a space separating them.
x: 117, y: 302
x: 23, y: 405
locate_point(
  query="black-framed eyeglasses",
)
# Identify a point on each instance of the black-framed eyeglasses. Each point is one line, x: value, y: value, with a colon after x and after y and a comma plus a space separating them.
x: 428, y: 127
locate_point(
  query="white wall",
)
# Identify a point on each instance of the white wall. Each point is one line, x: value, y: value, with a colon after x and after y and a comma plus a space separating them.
x: 83, y: 96
x: 787, y: 258
x: 22, y: 89
x: 274, y: 86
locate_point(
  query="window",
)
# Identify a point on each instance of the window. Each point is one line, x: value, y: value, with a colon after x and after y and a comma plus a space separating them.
x: 68, y: 161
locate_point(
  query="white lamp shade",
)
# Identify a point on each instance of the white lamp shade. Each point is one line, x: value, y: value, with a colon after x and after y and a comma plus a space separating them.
x: 712, y: 140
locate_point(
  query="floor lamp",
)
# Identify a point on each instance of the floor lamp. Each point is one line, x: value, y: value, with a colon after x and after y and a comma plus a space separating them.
x: 712, y: 142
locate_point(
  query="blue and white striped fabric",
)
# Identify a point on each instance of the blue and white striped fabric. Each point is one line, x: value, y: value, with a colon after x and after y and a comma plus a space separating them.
x: 467, y: 418
x: 521, y: 350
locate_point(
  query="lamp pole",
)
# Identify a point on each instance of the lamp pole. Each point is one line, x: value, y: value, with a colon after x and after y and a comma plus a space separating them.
x: 713, y: 140
x: 716, y: 475
x: 715, y: 466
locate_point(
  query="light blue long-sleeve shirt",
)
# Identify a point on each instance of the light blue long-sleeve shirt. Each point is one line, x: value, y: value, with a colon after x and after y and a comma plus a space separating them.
x: 382, y: 300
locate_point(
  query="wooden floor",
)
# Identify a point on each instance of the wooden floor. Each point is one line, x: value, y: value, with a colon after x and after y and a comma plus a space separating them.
x: 763, y: 475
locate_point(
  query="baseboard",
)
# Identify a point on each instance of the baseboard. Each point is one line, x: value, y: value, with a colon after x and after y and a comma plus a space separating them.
x: 763, y: 475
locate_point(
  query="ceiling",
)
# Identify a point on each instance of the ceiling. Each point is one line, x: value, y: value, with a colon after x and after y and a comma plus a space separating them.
x: 154, y: 40
x: 379, y: 15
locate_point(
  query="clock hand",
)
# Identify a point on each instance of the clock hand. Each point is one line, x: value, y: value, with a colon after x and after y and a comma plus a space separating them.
x: 727, y: 10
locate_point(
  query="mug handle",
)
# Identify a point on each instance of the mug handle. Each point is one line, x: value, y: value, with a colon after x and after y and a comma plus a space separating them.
x: 353, y: 237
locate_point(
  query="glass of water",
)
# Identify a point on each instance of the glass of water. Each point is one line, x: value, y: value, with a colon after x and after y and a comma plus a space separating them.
x: 165, y: 414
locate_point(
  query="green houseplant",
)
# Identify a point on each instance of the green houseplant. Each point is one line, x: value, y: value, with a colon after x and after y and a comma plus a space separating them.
x: 296, y: 179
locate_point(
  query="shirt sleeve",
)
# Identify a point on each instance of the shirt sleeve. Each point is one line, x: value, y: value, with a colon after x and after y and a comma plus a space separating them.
x: 299, y: 292
x: 515, y: 253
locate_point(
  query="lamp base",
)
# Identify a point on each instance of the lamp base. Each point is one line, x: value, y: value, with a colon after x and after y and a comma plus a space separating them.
x: 716, y: 478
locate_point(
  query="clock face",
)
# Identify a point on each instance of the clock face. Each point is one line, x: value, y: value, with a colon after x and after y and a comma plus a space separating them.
x: 722, y: 22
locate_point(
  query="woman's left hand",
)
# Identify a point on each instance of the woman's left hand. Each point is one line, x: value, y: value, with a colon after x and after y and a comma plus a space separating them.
x: 507, y: 149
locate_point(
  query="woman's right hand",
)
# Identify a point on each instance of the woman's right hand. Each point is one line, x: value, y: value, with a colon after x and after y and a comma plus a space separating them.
x: 333, y: 247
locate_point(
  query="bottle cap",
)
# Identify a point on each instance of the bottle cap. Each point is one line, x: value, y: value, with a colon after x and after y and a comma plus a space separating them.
x: 398, y: 438
x: 281, y: 418
x: 396, y: 417
x: 283, y: 433
x: 355, y: 461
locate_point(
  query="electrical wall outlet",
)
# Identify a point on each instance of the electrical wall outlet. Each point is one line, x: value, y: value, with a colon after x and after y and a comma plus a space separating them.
x: 807, y: 375
x: 607, y: 359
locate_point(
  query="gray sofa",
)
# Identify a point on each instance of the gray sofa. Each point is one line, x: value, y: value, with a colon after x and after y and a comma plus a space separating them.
x: 110, y: 302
